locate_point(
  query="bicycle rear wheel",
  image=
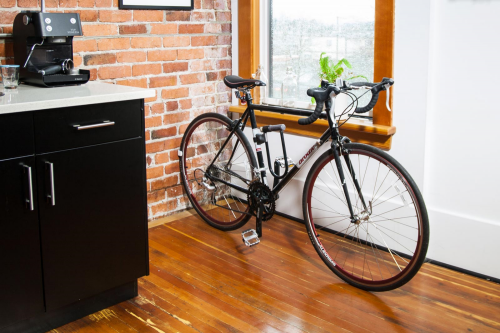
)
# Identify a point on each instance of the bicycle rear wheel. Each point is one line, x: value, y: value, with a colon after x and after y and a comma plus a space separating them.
x: 220, y: 205
x: 385, y: 247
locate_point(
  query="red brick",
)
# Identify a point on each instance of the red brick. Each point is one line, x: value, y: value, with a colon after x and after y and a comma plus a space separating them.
x: 164, y: 133
x: 132, y: 29
x: 156, y: 196
x: 220, y: 4
x: 148, y: 15
x: 223, y: 16
x: 213, y: 28
x: 165, y: 182
x: 191, y: 28
x: 226, y: 27
x: 99, y: 59
x: 27, y: 3
x: 164, y: 207
x: 77, y: 60
x: 88, y: 45
x: 86, y: 3
x: 192, y: 78
x: 208, y: 4
x: 176, y: 41
x: 216, y: 52
x: 146, y: 69
x: 120, y: 43
x: 162, y: 55
x: 7, y: 3
x: 154, y: 172
x: 176, y: 117
x: 86, y: 15
x: 212, y: 76
x: 131, y: 56
x: 162, y: 158
x: 172, y: 67
x: 185, y: 54
x: 182, y: 128
x: 162, y: 81
x: 164, y: 29
x: 151, y: 122
x: 139, y: 83
x: 174, y: 155
x: 103, y: 3
x: 203, y: 40
x: 202, y: 89
x: 175, y: 93
x: 168, y: 144
x: 202, y: 65
x: 197, y: 4
x: 7, y: 17
x: 145, y: 42
x: 113, y: 72
x: 224, y: 40
x: 93, y: 74
x: 115, y: 15
x: 100, y: 29
x: 172, y: 168
x: 222, y: 64
x: 174, y: 191
x: 186, y: 104
x: 178, y: 15
x: 202, y: 16
x: 68, y: 3
x: 172, y: 106
x: 158, y: 108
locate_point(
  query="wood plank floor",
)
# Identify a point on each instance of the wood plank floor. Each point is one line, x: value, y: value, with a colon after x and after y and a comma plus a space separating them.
x: 205, y: 280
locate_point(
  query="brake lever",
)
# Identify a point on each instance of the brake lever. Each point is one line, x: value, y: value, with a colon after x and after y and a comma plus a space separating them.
x: 387, y: 89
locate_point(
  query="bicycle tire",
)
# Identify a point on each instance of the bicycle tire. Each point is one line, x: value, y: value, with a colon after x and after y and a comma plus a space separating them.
x: 342, y: 244
x: 208, y: 208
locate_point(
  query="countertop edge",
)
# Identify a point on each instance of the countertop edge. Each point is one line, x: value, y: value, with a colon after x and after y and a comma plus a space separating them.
x: 127, y: 93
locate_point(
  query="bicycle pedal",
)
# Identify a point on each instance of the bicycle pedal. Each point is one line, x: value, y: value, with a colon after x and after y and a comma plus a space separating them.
x: 250, y: 237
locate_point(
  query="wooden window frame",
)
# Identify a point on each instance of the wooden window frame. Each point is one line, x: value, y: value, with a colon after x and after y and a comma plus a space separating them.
x: 378, y: 132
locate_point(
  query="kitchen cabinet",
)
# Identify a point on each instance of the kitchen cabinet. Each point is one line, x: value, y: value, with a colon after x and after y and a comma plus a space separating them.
x: 73, y: 212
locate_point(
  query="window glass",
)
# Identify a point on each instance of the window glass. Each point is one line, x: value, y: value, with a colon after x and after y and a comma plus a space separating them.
x: 301, y: 30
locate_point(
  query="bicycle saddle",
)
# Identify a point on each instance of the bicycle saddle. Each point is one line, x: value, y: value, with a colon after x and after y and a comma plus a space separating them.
x: 234, y: 81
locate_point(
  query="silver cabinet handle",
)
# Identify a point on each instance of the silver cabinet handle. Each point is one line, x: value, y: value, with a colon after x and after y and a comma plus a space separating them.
x: 29, y: 200
x: 103, y: 124
x: 52, y: 195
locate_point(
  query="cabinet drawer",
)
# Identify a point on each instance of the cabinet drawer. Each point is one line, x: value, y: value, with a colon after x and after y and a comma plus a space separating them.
x: 16, y: 135
x: 86, y: 125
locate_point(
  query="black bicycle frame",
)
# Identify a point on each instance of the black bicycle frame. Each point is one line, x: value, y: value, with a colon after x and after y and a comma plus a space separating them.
x: 331, y: 132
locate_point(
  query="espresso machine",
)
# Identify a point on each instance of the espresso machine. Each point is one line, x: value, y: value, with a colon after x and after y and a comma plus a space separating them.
x: 43, y: 48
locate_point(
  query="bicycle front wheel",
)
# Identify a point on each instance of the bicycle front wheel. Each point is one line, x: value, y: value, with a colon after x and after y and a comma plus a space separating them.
x: 386, y: 244
x: 204, y: 160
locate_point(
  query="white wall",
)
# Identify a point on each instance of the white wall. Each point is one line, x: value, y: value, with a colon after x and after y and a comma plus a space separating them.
x: 446, y: 65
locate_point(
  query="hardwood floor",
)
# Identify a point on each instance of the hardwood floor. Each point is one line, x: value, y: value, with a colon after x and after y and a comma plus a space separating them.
x: 205, y: 280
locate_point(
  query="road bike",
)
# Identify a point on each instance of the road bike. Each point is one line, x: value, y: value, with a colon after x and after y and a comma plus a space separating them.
x: 364, y: 214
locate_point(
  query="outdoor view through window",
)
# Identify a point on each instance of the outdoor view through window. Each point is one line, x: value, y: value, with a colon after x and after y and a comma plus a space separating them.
x: 302, y: 30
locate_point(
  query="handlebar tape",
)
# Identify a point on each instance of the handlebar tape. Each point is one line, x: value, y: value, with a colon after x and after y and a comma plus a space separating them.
x: 312, y: 118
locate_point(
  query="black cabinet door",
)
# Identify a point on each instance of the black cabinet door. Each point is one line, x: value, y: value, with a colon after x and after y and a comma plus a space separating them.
x: 21, y: 289
x: 93, y: 219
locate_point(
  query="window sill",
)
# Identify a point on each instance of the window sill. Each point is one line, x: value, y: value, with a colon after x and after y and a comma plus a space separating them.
x: 358, y: 130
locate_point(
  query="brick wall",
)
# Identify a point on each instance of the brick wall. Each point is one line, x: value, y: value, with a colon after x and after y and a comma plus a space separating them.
x: 183, y: 55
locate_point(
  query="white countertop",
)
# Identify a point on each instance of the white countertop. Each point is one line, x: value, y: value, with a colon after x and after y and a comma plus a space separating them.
x: 30, y: 98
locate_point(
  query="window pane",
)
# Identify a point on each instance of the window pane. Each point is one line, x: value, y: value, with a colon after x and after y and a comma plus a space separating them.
x: 302, y: 30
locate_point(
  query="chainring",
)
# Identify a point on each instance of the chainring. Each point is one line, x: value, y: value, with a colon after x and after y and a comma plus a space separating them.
x: 259, y: 191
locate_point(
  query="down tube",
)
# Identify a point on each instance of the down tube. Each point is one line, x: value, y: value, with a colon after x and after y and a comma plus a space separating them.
x: 304, y: 159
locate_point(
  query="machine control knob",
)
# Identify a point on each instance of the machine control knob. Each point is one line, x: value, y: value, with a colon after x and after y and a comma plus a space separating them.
x: 49, y: 28
x: 47, y: 20
x: 72, y: 20
x: 26, y: 19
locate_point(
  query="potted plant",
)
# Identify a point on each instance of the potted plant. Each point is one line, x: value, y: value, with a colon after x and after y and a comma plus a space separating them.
x: 331, y: 71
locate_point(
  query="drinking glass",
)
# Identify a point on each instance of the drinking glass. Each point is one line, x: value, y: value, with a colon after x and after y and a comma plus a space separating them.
x: 10, y: 76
